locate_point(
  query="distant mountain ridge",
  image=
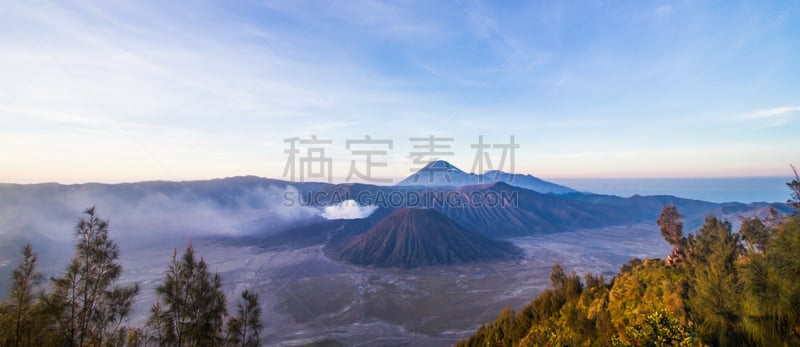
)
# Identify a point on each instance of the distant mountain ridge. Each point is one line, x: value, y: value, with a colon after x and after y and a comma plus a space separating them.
x: 441, y: 173
x: 254, y: 211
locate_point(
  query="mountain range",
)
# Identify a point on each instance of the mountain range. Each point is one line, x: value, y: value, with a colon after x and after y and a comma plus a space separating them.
x: 441, y: 173
x: 442, y: 225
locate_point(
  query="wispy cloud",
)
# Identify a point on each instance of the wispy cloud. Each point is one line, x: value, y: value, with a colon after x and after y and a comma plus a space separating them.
x: 229, y: 90
x: 772, y: 113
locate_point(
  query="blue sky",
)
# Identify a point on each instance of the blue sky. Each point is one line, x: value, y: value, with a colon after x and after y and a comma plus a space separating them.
x: 128, y: 91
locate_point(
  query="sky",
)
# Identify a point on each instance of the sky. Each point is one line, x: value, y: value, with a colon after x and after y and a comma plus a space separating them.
x: 149, y: 90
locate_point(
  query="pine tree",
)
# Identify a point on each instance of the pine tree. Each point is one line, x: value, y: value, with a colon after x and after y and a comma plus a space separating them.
x: 670, y: 222
x: 89, y: 308
x: 794, y: 187
x: 770, y: 288
x: 714, y: 297
x: 557, y: 276
x: 19, y: 321
x: 191, y: 307
x: 756, y: 233
x: 244, y: 329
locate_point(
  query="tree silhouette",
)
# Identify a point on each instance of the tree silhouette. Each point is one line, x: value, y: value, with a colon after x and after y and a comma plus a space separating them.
x: 756, y: 233
x: 191, y: 306
x: 714, y: 297
x: 671, y: 224
x: 87, y: 305
x: 20, y: 323
x: 794, y: 187
x: 244, y: 329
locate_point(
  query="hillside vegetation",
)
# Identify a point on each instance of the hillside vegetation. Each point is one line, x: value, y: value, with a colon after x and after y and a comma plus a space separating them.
x: 717, y: 288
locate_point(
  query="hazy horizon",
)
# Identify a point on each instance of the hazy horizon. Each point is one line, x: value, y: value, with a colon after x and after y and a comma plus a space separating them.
x: 712, y: 189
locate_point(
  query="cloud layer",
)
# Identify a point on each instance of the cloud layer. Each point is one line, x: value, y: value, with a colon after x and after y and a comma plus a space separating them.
x: 145, y: 210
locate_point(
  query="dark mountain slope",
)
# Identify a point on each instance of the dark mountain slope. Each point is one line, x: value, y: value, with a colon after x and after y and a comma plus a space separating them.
x: 411, y: 237
x: 525, y: 212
